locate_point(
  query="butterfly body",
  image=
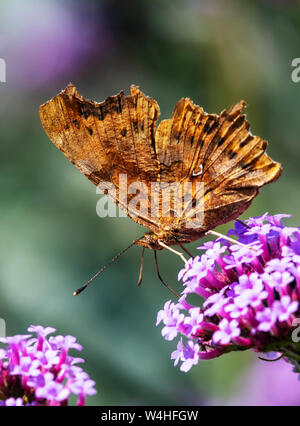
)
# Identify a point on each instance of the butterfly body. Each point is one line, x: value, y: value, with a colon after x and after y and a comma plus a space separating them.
x: 214, y: 159
x: 170, y: 238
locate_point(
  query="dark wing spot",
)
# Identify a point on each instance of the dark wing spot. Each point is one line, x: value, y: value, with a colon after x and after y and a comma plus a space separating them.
x: 90, y: 130
x: 213, y: 127
x: 86, y: 109
x: 221, y: 141
x: 206, y: 127
x: 191, y: 140
x: 120, y: 103
x: 124, y: 132
x: 232, y: 154
x: 251, y: 164
x: 177, y: 137
x: 237, y: 123
x: 135, y: 126
x: 101, y: 115
x: 76, y: 124
x: 115, y: 103
x: 246, y: 141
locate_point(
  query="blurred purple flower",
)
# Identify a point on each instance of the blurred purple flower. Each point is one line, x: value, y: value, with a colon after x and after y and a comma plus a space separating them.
x: 47, y: 40
x: 266, y: 383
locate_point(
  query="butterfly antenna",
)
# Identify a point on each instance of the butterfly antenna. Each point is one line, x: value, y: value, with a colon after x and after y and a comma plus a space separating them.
x: 141, y: 268
x: 271, y: 360
x: 161, y: 279
x: 186, y: 250
x: 102, y: 269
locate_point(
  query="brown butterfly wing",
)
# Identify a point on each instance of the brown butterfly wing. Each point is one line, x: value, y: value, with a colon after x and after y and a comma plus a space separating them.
x: 104, y: 140
x: 218, y: 151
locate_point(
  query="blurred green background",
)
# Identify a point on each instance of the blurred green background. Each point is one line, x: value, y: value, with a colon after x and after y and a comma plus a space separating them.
x: 215, y: 52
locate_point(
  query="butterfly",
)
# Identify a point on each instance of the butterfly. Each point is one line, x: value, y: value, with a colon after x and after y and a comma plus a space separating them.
x: 118, y: 136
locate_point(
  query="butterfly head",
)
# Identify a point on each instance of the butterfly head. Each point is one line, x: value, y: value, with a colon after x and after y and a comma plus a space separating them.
x: 149, y: 240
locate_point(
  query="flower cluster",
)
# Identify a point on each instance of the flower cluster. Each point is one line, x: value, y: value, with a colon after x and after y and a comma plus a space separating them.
x: 40, y: 371
x: 251, y: 291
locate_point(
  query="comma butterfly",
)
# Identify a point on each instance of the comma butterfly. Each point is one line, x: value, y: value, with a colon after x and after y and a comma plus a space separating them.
x: 194, y: 172
x: 117, y: 137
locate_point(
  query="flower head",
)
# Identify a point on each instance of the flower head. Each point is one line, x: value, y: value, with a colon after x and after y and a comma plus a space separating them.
x: 251, y: 294
x: 38, y: 371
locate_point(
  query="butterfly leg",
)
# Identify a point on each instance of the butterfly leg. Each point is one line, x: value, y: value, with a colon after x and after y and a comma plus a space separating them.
x: 231, y: 240
x: 161, y: 279
x: 243, y: 223
x: 141, y: 268
x: 173, y: 251
x: 186, y: 250
x: 271, y: 360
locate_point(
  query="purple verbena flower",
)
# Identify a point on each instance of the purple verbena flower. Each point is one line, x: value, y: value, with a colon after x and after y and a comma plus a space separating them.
x: 251, y: 294
x: 228, y: 330
x: 38, y: 371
